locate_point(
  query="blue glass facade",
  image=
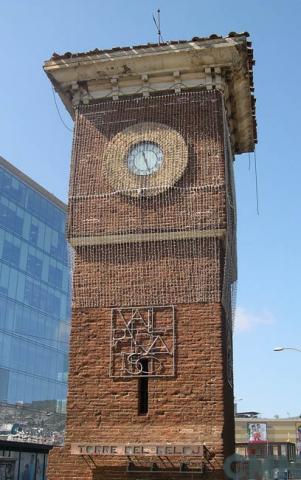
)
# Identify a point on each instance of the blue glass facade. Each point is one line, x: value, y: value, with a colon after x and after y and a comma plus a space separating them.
x: 34, y: 292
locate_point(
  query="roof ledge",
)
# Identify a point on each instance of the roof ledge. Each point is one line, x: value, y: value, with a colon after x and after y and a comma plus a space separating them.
x: 202, y: 63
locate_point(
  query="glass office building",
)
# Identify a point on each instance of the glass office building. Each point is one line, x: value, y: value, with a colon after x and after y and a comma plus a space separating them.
x: 34, y: 294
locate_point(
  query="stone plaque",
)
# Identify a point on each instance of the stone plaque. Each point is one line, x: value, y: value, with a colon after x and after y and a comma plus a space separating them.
x: 139, y: 450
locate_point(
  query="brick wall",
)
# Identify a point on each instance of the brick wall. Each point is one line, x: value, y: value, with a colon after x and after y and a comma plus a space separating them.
x: 190, y: 408
x: 94, y: 207
x: 151, y: 273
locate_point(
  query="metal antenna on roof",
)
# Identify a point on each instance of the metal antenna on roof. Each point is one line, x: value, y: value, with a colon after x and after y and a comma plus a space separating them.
x: 157, y: 22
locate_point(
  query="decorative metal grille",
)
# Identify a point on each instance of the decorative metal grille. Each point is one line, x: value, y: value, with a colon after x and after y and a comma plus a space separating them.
x: 153, y: 239
x: 142, y: 333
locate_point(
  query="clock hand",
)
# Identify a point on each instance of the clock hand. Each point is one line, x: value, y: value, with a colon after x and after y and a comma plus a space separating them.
x: 145, y: 161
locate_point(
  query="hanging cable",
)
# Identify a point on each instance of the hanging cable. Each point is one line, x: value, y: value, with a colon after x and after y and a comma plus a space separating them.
x: 58, y: 111
x: 256, y: 183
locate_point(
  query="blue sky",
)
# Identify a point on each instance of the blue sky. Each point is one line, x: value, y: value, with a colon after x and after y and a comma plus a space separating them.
x: 34, y: 139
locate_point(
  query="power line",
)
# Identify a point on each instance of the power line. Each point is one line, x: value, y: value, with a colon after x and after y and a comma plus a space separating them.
x: 26, y: 406
x: 28, y: 337
x: 34, y: 375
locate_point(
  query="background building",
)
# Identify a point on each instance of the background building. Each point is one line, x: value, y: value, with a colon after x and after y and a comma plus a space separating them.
x: 34, y: 299
x: 252, y: 430
x: 19, y: 461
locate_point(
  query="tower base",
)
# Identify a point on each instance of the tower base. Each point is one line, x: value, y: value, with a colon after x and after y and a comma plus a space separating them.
x: 64, y: 466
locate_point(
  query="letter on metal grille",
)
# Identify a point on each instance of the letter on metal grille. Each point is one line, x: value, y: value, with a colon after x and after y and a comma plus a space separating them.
x: 139, y: 333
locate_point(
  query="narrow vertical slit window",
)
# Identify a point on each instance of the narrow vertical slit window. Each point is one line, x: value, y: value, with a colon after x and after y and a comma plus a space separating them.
x: 143, y: 389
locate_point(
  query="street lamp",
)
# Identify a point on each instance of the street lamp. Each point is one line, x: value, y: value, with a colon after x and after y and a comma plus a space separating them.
x: 236, y: 400
x: 280, y: 349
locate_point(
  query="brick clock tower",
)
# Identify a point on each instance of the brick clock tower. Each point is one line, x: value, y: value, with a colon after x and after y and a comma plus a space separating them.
x: 152, y: 224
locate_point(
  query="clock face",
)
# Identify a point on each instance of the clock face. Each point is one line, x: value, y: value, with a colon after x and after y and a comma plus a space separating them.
x: 145, y: 158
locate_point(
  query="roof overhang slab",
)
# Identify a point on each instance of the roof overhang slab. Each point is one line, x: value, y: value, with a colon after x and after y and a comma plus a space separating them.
x: 222, y: 63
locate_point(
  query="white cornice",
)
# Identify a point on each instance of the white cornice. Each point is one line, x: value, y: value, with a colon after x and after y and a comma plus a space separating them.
x: 212, y: 63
